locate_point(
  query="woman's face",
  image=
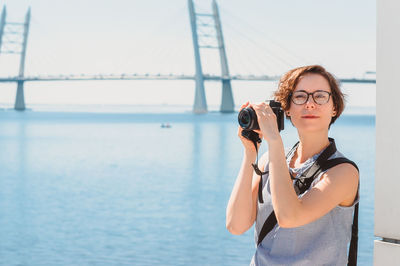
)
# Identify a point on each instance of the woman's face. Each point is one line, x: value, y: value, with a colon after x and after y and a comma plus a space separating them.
x: 311, y: 116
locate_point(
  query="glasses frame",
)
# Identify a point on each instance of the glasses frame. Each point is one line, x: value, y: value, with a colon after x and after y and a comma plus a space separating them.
x: 308, y: 96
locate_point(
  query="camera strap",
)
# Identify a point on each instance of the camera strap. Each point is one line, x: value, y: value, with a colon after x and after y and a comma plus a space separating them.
x: 303, y: 183
x: 255, y: 138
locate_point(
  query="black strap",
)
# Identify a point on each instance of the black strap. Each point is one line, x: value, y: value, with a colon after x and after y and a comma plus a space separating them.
x: 333, y: 162
x: 352, y: 260
x: 321, y: 164
x: 255, y: 138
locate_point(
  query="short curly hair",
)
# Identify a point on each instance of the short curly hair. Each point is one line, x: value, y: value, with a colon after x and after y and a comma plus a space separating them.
x: 290, y: 79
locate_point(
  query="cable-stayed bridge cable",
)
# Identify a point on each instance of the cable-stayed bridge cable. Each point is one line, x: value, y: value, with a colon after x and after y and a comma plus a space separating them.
x: 266, y: 36
x: 266, y: 49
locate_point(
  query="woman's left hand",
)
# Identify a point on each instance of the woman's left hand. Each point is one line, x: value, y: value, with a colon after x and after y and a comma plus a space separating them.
x: 267, y: 121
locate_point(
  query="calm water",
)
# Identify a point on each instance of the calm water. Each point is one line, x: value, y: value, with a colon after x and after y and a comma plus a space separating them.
x: 117, y: 189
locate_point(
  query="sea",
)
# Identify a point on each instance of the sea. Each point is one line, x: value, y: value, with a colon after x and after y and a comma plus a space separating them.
x: 98, y: 185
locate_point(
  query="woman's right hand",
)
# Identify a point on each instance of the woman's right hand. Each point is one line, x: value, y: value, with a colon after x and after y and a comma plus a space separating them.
x: 248, y: 144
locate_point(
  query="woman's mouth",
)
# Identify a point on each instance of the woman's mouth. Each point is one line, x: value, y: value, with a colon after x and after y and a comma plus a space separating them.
x: 309, y: 116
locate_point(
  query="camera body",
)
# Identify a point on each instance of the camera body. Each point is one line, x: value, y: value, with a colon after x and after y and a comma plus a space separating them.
x: 247, y: 119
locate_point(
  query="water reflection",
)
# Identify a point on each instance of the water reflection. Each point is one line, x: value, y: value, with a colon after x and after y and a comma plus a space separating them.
x: 16, y: 222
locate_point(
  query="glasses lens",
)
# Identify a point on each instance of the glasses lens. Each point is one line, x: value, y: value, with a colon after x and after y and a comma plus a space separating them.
x: 299, y: 97
x: 321, y: 97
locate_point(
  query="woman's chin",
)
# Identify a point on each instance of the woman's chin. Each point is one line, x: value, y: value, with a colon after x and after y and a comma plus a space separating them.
x: 311, y: 127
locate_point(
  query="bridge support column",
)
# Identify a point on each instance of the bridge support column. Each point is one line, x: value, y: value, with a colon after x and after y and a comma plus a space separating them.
x: 20, y: 99
x: 227, y: 103
x: 200, y: 102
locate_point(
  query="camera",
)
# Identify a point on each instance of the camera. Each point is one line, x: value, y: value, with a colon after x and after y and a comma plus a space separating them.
x: 247, y: 119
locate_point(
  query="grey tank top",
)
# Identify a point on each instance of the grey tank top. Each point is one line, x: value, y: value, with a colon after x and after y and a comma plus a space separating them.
x: 322, y: 242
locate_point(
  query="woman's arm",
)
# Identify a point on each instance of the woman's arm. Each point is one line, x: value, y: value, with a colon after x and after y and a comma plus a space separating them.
x: 338, y: 186
x: 241, y: 211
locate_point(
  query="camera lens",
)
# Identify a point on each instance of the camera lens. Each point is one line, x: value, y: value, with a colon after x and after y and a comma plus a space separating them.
x: 247, y: 119
x: 244, y: 119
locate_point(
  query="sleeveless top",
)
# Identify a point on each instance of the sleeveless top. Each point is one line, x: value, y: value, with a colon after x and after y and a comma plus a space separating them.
x: 324, y: 241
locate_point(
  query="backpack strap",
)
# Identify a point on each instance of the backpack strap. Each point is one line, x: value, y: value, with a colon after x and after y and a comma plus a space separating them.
x: 352, y: 259
x: 333, y: 162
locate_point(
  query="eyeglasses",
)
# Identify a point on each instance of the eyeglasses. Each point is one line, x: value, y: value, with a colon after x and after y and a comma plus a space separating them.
x: 301, y: 97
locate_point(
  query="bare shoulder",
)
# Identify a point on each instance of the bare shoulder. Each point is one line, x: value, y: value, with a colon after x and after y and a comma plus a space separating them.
x: 344, y: 177
x: 343, y: 172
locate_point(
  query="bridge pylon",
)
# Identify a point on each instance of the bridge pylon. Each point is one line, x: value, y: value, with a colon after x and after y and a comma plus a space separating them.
x: 200, y: 102
x: 14, y: 45
x: 227, y: 103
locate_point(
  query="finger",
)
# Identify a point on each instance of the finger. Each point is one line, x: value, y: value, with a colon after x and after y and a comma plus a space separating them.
x: 240, y: 132
x: 256, y: 107
x: 268, y: 108
x: 261, y: 104
x: 244, y: 105
x: 259, y: 110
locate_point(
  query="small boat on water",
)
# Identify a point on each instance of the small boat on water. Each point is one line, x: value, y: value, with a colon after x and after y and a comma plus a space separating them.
x: 166, y: 125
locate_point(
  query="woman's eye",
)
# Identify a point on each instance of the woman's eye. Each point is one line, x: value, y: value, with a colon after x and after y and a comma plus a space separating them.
x: 300, y: 96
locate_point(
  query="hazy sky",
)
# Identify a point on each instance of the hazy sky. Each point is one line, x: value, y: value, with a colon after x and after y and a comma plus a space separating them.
x: 129, y: 36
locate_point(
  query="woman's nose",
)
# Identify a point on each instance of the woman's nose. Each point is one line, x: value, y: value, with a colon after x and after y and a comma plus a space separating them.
x: 310, y: 103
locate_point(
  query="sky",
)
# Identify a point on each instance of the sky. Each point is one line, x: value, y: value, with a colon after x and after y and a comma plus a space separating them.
x: 154, y: 36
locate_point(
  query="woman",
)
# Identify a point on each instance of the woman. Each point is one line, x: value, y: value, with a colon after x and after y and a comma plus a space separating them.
x: 313, y: 227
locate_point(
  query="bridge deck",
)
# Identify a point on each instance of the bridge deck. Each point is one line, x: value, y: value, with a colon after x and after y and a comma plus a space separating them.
x: 157, y: 77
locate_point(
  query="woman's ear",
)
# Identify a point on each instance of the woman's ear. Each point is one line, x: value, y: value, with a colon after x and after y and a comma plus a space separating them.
x: 287, y: 113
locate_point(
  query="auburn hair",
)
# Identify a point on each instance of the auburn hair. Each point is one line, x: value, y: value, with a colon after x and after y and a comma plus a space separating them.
x: 290, y: 79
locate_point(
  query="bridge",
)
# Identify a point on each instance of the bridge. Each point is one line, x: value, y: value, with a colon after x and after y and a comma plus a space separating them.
x: 149, y: 76
x: 198, y: 26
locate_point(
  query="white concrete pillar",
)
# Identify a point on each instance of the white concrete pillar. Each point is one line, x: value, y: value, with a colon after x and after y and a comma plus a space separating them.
x: 387, y: 174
